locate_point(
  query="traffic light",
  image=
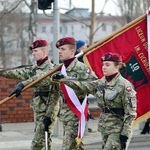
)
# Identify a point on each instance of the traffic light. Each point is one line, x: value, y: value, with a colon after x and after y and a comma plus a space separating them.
x: 44, y: 4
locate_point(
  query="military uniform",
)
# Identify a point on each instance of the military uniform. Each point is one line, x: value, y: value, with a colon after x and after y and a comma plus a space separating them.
x: 75, y: 69
x: 45, y: 101
x: 70, y: 122
x: 117, y: 101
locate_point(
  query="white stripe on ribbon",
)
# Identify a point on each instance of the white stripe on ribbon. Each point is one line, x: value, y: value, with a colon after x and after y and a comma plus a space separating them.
x: 81, y: 107
x: 148, y: 35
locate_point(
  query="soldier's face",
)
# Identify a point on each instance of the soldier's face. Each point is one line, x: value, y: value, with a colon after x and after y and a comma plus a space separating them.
x: 65, y: 52
x: 38, y: 54
x: 109, y: 68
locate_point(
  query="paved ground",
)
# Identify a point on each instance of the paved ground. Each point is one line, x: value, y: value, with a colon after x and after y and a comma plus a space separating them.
x: 18, y: 136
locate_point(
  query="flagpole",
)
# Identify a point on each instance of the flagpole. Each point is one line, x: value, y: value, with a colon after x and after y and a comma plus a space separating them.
x: 33, y: 83
x: 91, y: 48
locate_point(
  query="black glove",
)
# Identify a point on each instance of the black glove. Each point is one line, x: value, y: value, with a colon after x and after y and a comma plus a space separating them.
x: 123, y: 141
x: 47, y: 121
x: 17, y: 90
x: 56, y: 77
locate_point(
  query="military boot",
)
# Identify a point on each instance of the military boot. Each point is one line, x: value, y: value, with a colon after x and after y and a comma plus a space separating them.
x: 0, y: 127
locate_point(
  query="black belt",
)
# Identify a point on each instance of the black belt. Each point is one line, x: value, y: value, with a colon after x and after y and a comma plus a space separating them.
x: 45, y: 94
x: 117, y: 111
x: 80, y: 100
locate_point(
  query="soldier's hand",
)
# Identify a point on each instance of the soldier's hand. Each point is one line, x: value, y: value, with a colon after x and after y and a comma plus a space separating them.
x: 17, y: 90
x: 56, y: 77
x: 47, y: 121
x: 123, y: 141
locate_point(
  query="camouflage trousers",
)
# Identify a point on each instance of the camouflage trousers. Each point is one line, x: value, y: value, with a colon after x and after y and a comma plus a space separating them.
x: 112, y: 141
x: 38, y: 142
x: 70, y: 134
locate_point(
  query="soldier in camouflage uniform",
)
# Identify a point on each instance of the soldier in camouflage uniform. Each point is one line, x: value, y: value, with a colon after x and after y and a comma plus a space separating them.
x: 45, y: 103
x: 76, y: 69
x: 117, y: 100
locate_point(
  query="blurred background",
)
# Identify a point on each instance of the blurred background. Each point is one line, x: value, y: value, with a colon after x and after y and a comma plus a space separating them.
x: 23, y: 21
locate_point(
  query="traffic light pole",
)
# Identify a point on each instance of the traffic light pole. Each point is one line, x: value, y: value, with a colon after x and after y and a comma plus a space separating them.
x: 56, y: 27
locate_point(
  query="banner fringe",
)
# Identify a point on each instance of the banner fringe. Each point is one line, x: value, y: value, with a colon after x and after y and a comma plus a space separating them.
x: 141, y: 119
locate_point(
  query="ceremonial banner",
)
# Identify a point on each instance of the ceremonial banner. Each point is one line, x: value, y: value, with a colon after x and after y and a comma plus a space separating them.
x: 131, y: 43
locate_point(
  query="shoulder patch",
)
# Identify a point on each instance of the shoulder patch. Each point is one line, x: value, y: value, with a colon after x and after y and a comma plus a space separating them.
x: 128, y: 88
x: 88, y: 70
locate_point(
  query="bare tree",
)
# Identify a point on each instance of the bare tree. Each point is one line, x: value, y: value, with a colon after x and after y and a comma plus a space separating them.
x: 130, y: 9
x: 93, y: 27
x: 32, y: 28
x: 14, y: 28
x: 32, y: 19
x: 6, y: 27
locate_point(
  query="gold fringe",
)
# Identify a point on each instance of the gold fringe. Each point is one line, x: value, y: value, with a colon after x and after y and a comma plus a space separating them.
x: 141, y: 119
x: 78, y: 140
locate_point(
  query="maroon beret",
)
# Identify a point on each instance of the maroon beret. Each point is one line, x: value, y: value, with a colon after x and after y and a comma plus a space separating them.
x: 111, y: 57
x: 65, y: 41
x: 38, y: 43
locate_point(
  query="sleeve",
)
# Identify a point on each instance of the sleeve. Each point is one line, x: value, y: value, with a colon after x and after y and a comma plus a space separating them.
x: 17, y: 74
x: 42, y: 82
x: 83, y: 85
x: 130, y: 105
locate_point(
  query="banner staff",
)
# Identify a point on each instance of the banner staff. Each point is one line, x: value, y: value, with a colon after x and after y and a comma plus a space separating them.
x: 91, y: 48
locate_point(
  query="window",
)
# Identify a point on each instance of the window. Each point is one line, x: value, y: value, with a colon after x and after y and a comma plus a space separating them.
x: 66, y: 30
x: 104, y: 27
x: 114, y: 28
x: 51, y: 29
x: 44, y: 29
x: 82, y: 26
x: 60, y: 29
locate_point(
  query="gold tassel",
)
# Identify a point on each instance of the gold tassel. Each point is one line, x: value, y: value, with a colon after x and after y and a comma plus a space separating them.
x: 78, y: 140
x: 77, y: 144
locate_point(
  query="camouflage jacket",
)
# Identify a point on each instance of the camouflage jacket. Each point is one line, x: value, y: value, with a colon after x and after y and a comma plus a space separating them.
x: 118, y: 93
x: 29, y: 74
x: 76, y: 69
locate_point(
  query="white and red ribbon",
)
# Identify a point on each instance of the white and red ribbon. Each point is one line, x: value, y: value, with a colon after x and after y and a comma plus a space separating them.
x: 80, y: 110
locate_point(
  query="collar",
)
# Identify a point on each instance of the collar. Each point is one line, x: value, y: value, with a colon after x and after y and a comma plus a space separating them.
x: 40, y: 62
x: 67, y: 62
x: 109, y: 78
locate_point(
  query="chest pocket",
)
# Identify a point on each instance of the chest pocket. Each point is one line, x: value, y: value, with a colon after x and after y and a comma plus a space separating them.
x: 110, y: 94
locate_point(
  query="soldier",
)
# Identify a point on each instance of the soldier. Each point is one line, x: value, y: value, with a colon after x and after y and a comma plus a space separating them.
x: 146, y: 128
x: 80, y: 46
x: 45, y: 103
x: 69, y: 112
x: 73, y: 68
x: 115, y: 97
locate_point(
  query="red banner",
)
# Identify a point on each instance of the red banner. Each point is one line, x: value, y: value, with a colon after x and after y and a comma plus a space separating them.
x: 131, y: 44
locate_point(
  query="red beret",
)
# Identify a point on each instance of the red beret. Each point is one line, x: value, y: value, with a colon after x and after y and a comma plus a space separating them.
x: 65, y: 41
x: 111, y: 57
x: 38, y: 43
